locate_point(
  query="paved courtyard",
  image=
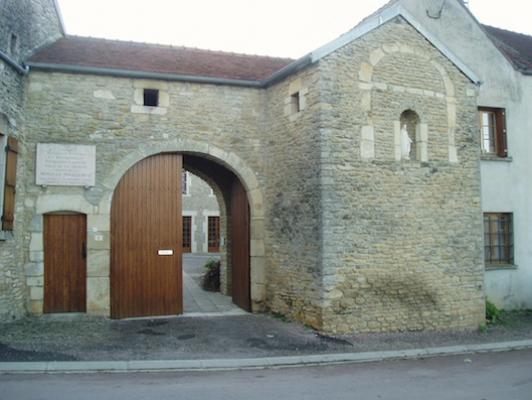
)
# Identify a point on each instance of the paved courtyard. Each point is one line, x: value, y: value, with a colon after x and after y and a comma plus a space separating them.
x: 197, y: 301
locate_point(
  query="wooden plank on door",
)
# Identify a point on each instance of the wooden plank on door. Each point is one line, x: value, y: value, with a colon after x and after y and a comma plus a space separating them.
x: 146, y: 239
x: 240, y: 250
x: 65, y: 268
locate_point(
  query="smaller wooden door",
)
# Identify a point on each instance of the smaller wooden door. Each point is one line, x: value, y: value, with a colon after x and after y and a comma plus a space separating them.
x: 65, y: 267
x: 187, y: 234
x: 240, y: 251
x: 213, y: 234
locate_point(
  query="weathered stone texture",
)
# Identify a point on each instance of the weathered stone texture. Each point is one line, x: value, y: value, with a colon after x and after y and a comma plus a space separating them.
x: 293, y: 200
x: 34, y: 23
x: 402, y: 239
x: 345, y: 236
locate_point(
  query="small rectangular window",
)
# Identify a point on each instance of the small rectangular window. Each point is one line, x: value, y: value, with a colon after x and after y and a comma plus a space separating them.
x: 151, y: 97
x: 498, y: 239
x: 185, y: 187
x: 213, y: 234
x: 13, y: 44
x: 295, y: 103
x: 187, y: 234
x: 493, y: 131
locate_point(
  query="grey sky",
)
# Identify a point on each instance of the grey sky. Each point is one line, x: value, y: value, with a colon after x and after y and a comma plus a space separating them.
x: 289, y: 28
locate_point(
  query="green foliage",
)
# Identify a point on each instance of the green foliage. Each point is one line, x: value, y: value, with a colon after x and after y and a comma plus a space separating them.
x: 212, y: 264
x: 493, y: 314
x: 211, y: 278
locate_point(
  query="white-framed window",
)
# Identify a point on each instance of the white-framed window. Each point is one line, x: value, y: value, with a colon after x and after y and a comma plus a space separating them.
x: 493, y: 131
x: 185, y: 183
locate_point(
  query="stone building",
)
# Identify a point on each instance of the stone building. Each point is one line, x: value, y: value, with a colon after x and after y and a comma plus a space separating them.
x: 201, y: 216
x: 24, y: 27
x: 349, y: 181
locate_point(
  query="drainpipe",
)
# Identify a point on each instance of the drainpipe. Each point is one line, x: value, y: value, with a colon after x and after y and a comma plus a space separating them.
x: 20, y: 68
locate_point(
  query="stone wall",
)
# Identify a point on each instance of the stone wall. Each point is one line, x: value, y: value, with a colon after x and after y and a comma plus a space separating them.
x: 224, y: 123
x: 34, y: 23
x: 402, y: 238
x: 347, y: 234
x: 292, y: 159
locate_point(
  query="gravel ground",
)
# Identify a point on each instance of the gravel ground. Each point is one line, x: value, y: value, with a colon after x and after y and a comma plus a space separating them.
x: 90, y: 338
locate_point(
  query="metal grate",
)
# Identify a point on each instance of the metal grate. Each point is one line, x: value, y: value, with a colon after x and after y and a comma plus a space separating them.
x: 187, y: 237
x: 498, y: 238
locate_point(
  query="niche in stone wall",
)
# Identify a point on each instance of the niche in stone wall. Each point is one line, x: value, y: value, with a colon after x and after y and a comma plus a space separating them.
x: 409, y: 122
x: 411, y: 137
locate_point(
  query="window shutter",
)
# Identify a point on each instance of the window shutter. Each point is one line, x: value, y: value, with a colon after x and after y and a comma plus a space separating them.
x: 502, y: 144
x: 8, y: 215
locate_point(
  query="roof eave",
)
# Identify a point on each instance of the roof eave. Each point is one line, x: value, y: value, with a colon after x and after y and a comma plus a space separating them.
x: 124, y: 73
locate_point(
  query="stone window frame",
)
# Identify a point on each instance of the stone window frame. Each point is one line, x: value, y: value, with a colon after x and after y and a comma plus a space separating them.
x: 504, y: 221
x: 498, y: 144
x: 296, y: 102
x: 13, y: 44
x: 138, y: 107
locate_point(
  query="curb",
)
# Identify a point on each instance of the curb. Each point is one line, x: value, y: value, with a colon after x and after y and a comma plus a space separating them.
x: 253, y: 363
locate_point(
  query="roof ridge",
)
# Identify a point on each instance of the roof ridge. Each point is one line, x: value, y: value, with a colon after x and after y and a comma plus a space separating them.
x: 507, y: 30
x: 171, y: 46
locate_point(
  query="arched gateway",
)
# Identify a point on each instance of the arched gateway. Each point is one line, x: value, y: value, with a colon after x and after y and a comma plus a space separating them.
x: 146, y: 235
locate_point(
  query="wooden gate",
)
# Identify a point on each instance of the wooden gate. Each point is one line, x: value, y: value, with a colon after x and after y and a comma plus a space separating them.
x: 240, y: 251
x: 65, y: 268
x: 146, y: 239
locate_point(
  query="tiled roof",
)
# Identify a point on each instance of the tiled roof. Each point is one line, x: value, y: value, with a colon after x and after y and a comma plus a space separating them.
x: 516, y: 46
x: 131, y: 56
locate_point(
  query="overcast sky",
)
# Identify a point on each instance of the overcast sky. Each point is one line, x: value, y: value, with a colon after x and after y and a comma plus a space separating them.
x: 289, y: 28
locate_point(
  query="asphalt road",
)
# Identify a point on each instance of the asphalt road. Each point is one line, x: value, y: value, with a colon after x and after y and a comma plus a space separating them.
x: 505, y: 376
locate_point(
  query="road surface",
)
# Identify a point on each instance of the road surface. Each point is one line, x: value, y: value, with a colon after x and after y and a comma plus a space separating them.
x: 504, y: 376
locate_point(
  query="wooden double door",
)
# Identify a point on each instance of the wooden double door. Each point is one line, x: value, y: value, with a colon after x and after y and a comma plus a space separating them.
x: 147, y: 241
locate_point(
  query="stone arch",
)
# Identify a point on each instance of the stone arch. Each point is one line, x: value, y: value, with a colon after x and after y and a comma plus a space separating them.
x: 366, y: 83
x: 225, y: 159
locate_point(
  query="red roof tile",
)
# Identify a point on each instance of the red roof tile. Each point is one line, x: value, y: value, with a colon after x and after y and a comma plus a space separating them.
x: 516, y: 46
x: 102, y: 53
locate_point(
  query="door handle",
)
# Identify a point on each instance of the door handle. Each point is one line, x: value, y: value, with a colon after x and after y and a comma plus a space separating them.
x: 84, y: 250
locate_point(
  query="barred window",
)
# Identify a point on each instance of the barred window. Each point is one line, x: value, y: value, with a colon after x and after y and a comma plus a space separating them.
x: 498, y: 239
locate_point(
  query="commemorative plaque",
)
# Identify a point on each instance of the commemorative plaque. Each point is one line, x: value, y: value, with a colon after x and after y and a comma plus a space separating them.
x: 65, y: 165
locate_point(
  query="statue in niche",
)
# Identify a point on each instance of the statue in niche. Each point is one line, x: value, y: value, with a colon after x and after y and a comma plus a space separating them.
x: 406, y: 143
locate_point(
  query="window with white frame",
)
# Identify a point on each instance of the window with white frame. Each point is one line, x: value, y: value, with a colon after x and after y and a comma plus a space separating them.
x: 185, y: 183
